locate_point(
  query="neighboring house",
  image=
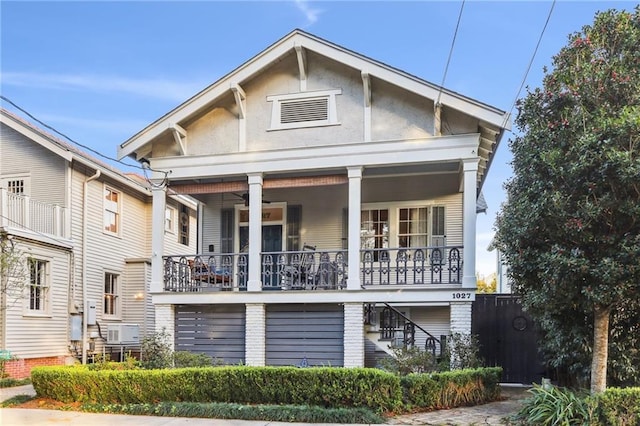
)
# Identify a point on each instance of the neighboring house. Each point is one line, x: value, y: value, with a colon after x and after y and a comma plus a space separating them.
x: 83, y: 233
x: 337, y: 197
x: 503, y: 282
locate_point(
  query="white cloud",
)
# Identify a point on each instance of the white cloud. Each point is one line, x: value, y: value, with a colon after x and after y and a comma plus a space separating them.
x: 175, y: 91
x: 310, y: 13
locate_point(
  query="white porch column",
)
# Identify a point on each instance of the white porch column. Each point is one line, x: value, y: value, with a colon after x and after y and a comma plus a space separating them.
x: 159, y: 205
x: 353, y: 335
x: 255, y: 231
x: 469, y: 226
x: 255, y: 334
x: 355, y: 199
x: 166, y: 320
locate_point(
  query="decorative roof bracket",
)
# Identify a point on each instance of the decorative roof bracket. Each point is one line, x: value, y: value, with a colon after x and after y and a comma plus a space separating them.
x: 302, y: 66
x: 240, y: 96
x: 366, y: 84
x: 180, y: 136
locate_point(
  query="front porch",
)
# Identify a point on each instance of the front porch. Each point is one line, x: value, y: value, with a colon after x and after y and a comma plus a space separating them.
x: 312, y: 269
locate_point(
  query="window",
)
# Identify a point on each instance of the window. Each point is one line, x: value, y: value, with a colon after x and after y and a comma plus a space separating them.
x: 169, y: 219
x: 438, y: 235
x: 226, y: 230
x: 38, y: 285
x: 374, y: 229
x: 111, y: 295
x: 111, y: 210
x: 18, y: 185
x: 412, y: 227
x: 306, y: 109
x: 184, y: 225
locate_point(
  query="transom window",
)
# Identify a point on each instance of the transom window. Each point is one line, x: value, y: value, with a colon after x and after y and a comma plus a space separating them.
x: 38, y: 285
x: 112, y: 205
x: 111, y: 294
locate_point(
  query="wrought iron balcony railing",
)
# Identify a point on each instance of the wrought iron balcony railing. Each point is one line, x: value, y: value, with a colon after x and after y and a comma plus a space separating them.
x: 312, y: 269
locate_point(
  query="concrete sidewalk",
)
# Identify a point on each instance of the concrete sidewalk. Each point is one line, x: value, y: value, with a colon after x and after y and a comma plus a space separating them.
x: 486, y: 414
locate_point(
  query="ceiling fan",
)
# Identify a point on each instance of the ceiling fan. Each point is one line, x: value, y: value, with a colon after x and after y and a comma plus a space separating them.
x: 245, y: 197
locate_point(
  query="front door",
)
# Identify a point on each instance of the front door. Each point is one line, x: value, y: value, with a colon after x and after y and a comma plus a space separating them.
x: 271, y: 242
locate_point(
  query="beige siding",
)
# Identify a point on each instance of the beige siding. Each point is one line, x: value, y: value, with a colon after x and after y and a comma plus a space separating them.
x: 435, y: 320
x: 106, y: 252
x: 135, y: 294
x: 45, y: 169
x: 30, y: 335
x: 322, y: 209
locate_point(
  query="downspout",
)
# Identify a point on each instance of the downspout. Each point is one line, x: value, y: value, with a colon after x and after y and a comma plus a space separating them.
x: 84, y: 263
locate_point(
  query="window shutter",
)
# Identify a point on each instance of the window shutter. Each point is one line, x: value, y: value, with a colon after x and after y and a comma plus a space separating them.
x: 294, y: 220
x: 226, y: 230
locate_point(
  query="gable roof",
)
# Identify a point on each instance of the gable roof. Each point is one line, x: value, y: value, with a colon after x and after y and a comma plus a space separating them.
x: 298, y: 39
x: 66, y: 150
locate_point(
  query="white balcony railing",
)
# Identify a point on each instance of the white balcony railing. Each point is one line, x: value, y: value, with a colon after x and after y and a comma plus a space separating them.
x: 20, y: 211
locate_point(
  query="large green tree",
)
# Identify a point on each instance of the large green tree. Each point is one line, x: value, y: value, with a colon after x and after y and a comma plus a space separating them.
x: 570, y: 228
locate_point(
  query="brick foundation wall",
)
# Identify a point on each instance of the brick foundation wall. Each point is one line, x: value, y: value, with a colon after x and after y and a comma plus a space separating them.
x: 21, y: 368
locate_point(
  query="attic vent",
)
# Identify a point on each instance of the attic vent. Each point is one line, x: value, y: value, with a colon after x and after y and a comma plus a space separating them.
x: 305, y: 109
x: 301, y: 111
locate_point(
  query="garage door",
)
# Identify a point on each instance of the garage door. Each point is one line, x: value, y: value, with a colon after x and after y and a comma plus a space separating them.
x: 217, y: 331
x: 305, y: 335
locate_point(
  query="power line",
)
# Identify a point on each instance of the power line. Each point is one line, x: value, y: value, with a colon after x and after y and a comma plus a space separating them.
x: 143, y: 168
x: 535, y: 51
x: 453, y: 42
x: 42, y: 234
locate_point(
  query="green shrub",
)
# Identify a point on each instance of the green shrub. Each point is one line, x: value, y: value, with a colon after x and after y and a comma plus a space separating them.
x: 405, y: 361
x: 9, y: 382
x: 461, y: 351
x: 155, y: 351
x: 452, y: 388
x: 182, y: 359
x: 324, y: 387
x: 551, y: 405
x: 275, y: 413
x: 619, y: 407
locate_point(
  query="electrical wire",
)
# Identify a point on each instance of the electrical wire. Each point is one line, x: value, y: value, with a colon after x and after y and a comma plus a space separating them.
x: 524, y: 78
x: 42, y: 234
x: 143, y: 168
x: 453, y: 42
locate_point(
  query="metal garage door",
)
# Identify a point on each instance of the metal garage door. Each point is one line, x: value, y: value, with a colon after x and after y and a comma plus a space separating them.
x: 305, y: 335
x: 217, y: 331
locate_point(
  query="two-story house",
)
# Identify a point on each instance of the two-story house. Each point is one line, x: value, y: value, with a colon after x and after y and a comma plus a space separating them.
x: 79, y: 235
x: 339, y: 208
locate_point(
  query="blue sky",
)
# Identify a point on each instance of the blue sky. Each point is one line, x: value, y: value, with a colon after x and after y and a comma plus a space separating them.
x: 99, y: 71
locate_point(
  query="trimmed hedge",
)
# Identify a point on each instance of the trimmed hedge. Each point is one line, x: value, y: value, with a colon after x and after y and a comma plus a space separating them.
x: 323, y: 386
x: 273, y: 413
x: 619, y: 406
x: 452, y: 388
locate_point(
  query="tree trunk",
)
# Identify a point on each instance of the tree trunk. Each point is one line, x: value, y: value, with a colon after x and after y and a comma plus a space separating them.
x: 600, y: 349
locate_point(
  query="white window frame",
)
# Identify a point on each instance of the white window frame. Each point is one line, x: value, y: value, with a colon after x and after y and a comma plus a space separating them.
x: 42, y: 283
x: 170, y: 215
x: 107, y: 209
x: 278, y: 100
x: 116, y: 281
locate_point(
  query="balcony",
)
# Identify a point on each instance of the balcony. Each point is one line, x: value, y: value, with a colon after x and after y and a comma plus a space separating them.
x: 19, y: 211
x: 312, y: 269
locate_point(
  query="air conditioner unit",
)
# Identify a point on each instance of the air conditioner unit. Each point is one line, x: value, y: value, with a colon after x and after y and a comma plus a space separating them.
x: 123, y: 334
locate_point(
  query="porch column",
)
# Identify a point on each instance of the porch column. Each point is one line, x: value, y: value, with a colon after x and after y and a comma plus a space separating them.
x: 355, y: 199
x: 255, y: 231
x: 255, y: 334
x: 159, y: 205
x: 166, y: 321
x: 469, y: 226
x: 353, y: 335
